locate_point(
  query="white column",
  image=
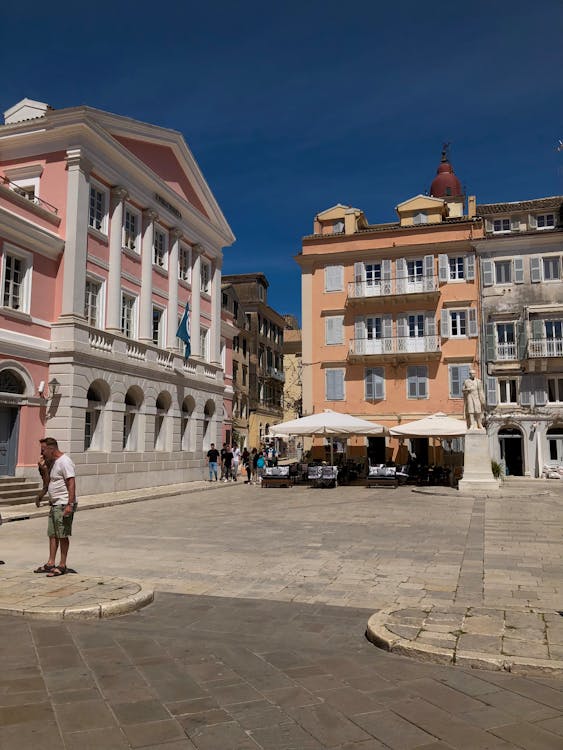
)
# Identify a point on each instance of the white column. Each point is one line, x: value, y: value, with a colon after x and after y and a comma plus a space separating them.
x: 113, y: 322
x: 172, y: 322
x: 76, y: 242
x: 215, y: 333
x: 196, y: 300
x: 145, y: 311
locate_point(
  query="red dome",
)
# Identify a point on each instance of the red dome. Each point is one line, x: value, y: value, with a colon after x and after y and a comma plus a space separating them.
x: 445, y: 184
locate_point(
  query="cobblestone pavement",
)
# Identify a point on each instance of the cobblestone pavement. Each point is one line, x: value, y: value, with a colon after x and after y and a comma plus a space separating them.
x: 256, y: 637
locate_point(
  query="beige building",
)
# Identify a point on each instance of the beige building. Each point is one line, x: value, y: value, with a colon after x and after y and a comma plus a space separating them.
x: 237, y: 367
x: 265, y: 335
x: 292, y: 361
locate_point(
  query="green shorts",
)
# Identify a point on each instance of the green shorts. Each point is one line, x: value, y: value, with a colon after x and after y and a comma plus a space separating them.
x: 59, y: 525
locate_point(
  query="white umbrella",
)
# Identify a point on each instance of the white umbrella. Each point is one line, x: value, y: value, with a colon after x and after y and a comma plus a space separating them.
x: 330, y: 424
x: 436, y: 425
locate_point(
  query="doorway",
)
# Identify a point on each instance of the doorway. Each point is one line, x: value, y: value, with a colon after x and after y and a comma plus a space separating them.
x: 419, y: 451
x: 8, y: 440
x: 510, y: 443
x: 376, y: 450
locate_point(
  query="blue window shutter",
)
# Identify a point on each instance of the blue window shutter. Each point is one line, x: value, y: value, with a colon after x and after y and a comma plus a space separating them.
x: 487, y: 269
x: 455, y: 384
x: 535, y: 270
x: 469, y: 267
x: 473, y: 331
x: 518, y: 270
x: 379, y: 382
x: 369, y: 389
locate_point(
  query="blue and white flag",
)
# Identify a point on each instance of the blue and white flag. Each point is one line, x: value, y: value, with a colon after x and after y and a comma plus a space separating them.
x: 183, y: 332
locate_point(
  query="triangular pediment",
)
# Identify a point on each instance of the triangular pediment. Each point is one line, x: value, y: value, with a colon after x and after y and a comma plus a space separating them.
x: 337, y: 212
x: 166, y: 153
x: 420, y: 202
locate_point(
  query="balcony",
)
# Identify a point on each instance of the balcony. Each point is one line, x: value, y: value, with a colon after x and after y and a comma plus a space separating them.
x: 395, y: 348
x: 29, y: 195
x: 545, y: 348
x: 506, y: 352
x: 420, y: 288
x: 275, y: 374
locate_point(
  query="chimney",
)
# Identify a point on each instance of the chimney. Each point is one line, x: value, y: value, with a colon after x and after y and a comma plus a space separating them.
x: 27, y: 109
x: 471, y: 206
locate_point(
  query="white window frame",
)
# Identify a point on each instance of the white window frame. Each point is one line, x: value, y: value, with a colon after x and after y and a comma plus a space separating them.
x: 504, y: 262
x: 332, y: 283
x: 333, y: 371
x: 421, y: 379
x: 205, y: 276
x: 551, y: 258
x: 456, y: 259
x: 104, y: 223
x: 371, y: 373
x: 161, y: 338
x: 544, y: 218
x: 334, y: 330
x: 557, y: 389
x: 185, y: 252
x: 128, y: 241
x: 158, y: 260
x: 100, y: 300
x: 462, y: 375
x: 503, y: 220
x: 26, y: 259
x: 134, y: 314
x: 24, y: 178
x: 461, y: 318
x: 504, y: 388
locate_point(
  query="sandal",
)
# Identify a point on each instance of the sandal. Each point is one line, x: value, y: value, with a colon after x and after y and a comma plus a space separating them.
x: 58, y: 570
x: 46, y: 568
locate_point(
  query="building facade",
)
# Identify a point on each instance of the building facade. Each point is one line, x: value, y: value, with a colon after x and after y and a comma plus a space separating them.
x: 107, y: 230
x: 390, y: 312
x: 237, y: 431
x: 521, y: 259
x: 264, y: 333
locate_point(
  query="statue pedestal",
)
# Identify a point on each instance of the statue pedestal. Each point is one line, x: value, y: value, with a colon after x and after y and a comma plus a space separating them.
x: 477, y: 472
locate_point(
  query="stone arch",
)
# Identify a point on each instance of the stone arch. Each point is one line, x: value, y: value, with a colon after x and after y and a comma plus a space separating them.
x: 162, y: 406
x: 97, y: 396
x: 19, y: 374
x: 132, y: 435
x: 187, y: 428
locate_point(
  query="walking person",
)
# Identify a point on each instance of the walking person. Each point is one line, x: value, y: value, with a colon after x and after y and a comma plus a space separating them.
x: 236, y: 461
x: 254, y: 462
x: 61, y: 490
x: 223, y: 466
x: 212, y: 462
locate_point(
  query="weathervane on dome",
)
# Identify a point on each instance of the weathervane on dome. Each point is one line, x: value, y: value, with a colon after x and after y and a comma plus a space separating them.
x: 445, y: 149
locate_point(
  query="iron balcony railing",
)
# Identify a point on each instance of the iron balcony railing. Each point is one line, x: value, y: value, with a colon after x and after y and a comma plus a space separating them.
x: 545, y: 348
x: 390, y: 287
x: 29, y: 196
x: 395, y: 345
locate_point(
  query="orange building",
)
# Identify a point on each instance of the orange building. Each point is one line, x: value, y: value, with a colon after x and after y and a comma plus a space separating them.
x: 390, y: 314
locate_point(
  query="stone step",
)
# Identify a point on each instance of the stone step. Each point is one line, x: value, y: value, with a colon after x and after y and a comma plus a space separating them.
x: 18, y: 492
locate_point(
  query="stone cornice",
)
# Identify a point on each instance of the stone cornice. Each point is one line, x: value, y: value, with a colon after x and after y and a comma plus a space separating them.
x: 76, y: 157
x: 31, y: 236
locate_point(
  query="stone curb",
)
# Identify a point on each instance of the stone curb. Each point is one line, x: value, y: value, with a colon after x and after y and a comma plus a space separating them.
x: 112, y: 608
x: 380, y: 636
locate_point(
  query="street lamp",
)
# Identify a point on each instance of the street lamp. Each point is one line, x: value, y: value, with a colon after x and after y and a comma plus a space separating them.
x: 53, y: 387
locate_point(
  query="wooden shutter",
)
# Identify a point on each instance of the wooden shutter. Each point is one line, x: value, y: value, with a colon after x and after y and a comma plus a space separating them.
x: 520, y: 334
x: 490, y: 343
x: 538, y: 329
x: 333, y: 330
x: 402, y: 326
x: 487, y: 269
x: 518, y: 270
x: 379, y: 383
x: 455, y: 381
x: 387, y: 332
x: 412, y: 391
x: 473, y: 331
x: 526, y: 387
x: 469, y: 263
x: 540, y: 390
x: 369, y: 389
x: 532, y: 221
x: 386, y: 276
x: 535, y: 269
x: 401, y: 283
x: 359, y: 336
x: 429, y: 324
x: 489, y: 225
x: 445, y: 324
x: 359, y: 272
x: 334, y: 385
x: 428, y: 269
x: 514, y: 223
x: 491, y: 391
x: 443, y: 269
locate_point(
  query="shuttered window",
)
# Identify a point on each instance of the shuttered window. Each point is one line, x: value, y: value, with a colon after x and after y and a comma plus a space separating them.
x: 334, y: 330
x: 417, y: 381
x: 334, y: 385
x: 334, y: 278
x: 458, y: 374
x: 374, y: 383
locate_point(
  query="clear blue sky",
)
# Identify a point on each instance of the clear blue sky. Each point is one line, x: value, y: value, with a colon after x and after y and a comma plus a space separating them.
x: 292, y: 107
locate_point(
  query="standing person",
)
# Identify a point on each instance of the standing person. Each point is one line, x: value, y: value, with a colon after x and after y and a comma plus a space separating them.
x: 247, y: 465
x: 61, y: 489
x: 227, y: 462
x: 254, y: 461
x: 260, y: 467
x: 212, y: 461
x: 236, y: 461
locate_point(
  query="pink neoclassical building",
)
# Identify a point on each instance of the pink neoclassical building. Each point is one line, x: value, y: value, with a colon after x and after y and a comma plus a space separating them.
x: 107, y: 230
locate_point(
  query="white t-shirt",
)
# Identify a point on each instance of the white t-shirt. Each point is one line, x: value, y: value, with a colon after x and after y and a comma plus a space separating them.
x: 236, y: 455
x: 62, y: 469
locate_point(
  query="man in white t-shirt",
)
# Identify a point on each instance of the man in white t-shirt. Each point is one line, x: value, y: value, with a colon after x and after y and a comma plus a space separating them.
x: 61, y: 489
x: 236, y: 461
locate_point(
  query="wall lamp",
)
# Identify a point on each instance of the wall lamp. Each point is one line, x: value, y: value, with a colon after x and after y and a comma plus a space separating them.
x: 53, y: 387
